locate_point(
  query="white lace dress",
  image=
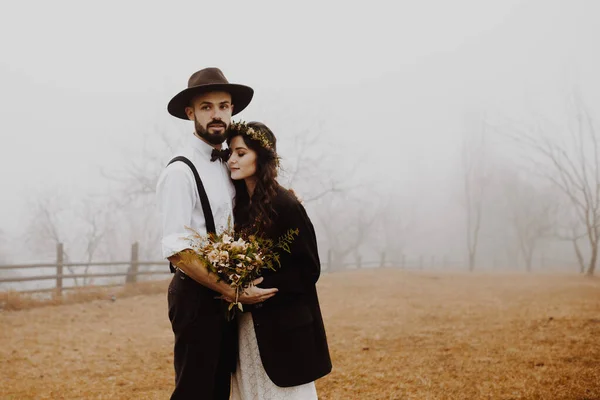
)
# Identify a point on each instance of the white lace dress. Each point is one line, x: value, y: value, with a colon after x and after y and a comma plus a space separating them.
x: 250, y: 381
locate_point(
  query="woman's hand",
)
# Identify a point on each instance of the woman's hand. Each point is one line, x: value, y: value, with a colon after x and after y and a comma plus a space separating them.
x: 254, y: 294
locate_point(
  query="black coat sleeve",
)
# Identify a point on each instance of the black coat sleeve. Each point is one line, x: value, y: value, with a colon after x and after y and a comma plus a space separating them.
x: 301, y: 268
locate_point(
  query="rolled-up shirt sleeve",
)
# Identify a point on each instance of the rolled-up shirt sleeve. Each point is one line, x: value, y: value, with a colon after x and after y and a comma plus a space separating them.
x: 176, y: 198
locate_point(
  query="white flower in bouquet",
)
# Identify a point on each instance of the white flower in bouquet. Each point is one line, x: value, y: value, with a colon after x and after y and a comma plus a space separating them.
x: 239, y: 245
x: 226, y: 239
x: 213, y: 256
x: 223, y: 257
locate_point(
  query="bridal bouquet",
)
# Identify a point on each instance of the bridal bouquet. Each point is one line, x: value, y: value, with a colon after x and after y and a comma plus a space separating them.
x: 238, y: 260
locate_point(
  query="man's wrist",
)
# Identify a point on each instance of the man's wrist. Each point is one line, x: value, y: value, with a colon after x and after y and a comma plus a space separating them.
x: 229, y: 292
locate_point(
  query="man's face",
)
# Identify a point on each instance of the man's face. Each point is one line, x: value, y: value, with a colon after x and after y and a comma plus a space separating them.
x: 211, y: 113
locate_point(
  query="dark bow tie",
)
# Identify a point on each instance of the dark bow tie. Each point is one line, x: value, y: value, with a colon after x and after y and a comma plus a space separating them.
x: 222, y: 154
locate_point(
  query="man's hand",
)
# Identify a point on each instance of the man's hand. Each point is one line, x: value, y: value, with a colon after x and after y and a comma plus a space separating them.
x: 254, y: 294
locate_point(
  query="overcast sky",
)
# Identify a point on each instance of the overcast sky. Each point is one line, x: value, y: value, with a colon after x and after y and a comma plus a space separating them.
x: 82, y: 83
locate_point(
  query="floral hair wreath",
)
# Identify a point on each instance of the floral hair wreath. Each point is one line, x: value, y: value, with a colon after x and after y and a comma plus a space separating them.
x: 242, y: 128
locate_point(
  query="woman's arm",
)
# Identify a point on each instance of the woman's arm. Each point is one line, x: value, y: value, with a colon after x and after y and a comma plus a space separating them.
x: 301, y: 269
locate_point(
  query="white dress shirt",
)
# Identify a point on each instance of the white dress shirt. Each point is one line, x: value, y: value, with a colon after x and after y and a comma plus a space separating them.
x: 178, y: 199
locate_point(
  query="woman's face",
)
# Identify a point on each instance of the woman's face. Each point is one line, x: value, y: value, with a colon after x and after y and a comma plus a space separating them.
x: 242, y: 162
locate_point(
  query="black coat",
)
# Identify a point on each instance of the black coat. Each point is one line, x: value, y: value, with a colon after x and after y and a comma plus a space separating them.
x: 289, y: 326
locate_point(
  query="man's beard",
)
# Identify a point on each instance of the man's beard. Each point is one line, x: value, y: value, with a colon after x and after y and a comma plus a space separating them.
x: 212, y: 138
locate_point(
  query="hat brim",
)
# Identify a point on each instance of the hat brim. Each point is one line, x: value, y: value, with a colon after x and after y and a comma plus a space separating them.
x: 240, y: 97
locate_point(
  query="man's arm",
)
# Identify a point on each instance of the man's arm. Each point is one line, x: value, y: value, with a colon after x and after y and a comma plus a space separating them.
x: 192, y: 267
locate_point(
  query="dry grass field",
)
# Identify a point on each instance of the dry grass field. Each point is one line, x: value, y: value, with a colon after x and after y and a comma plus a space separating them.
x: 393, y: 335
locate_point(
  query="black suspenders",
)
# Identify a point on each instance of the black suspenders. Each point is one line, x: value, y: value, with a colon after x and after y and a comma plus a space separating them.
x: 208, y: 215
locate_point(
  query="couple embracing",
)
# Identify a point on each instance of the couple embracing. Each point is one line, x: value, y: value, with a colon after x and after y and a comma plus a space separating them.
x: 277, y: 347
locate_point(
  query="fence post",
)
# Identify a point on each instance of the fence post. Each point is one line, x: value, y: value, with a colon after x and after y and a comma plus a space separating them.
x: 382, y: 261
x: 133, y: 267
x: 358, y: 261
x: 59, y: 268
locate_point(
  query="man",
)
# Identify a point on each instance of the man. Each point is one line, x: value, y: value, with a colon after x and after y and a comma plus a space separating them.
x: 205, y: 348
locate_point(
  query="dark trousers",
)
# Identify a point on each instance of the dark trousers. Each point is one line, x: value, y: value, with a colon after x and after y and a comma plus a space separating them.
x: 205, y: 343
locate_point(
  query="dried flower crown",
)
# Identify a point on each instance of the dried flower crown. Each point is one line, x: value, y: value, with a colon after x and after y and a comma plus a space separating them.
x: 243, y: 128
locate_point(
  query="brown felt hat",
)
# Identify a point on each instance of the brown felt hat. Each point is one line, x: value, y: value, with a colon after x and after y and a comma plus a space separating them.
x: 209, y: 80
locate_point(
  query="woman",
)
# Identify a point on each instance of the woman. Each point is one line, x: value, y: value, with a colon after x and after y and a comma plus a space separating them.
x: 282, y: 343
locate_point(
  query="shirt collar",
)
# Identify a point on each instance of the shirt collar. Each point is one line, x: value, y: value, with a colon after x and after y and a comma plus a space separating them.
x: 200, y: 145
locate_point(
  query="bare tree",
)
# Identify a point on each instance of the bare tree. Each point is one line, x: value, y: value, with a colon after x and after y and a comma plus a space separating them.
x: 95, y: 228
x: 81, y: 227
x: 531, y: 215
x: 45, y: 225
x: 574, y: 168
x: 475, y: 182
x: 137, y: 180
x: 344, y: 232
x: 392, y: 229
x: 47, y: 228
x: 308, y: 166
x: 570, y: 230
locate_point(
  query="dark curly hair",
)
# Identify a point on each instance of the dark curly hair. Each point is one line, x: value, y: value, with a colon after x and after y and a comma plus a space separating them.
x: 253, y: 214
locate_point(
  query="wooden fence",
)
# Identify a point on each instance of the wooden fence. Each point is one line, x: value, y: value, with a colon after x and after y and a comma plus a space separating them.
x: 131, y: 274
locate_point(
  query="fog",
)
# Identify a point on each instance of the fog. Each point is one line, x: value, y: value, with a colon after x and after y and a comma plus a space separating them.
x: 375, y: 106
